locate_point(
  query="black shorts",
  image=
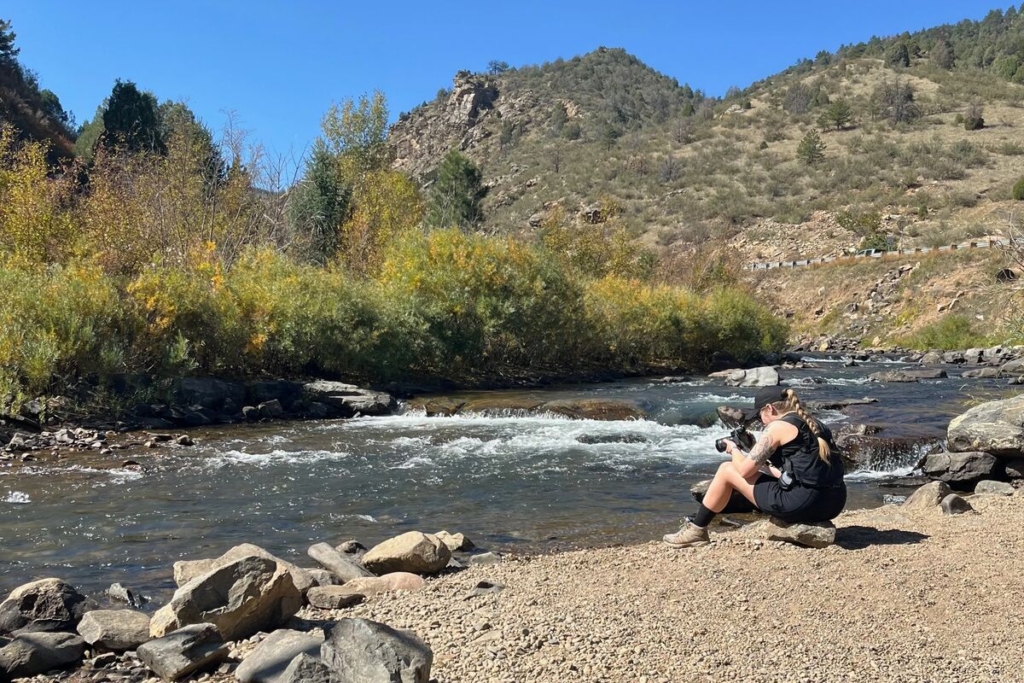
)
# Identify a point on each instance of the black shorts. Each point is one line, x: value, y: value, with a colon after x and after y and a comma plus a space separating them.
x: 798, y: 504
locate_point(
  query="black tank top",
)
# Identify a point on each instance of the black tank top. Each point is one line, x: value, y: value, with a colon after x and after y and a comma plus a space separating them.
x: 802, y: 455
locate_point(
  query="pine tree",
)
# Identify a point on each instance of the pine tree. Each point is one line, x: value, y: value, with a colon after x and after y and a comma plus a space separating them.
x: 838, y: 115
x: 8, y: 53
x: 456, y: 194
x: 131, y: 120
x: 811, y: 149
x: 318, y: 206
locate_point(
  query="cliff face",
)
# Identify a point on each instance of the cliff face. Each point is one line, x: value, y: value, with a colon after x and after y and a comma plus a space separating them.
x: 421, y: 138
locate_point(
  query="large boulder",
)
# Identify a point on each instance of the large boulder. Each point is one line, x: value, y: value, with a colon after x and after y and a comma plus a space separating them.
x: 754, y: 377
x: 413, y: 552
x: 596, y: 409
x: 29, y: 654
x: 240, y: 598
x: 184, y: 652
x: 927, y: 497
x: 44, y: 605
x: 994, y: 488
x: 208, y: 392
x: 116, y: 629
x: 961, y: 470
x: 335, y: 562
x: 896, y: 376
x: 268, y: 661
x: 369, y: 652
x: 186, y: 570
x: 996, y: 427
x: 349, y: 399
x: 1013, y: 368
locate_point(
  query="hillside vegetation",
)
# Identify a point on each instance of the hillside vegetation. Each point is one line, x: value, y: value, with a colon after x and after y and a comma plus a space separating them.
x: 588, y: 214
x: 914, y: 138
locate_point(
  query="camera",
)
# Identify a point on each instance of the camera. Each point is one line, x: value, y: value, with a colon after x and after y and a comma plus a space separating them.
x: 741, y: 437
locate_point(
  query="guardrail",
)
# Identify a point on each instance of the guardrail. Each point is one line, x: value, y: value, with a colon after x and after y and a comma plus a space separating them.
x: 980, y: 244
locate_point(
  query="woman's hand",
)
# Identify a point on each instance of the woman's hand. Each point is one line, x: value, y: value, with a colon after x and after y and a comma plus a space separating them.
x: 730, y: 447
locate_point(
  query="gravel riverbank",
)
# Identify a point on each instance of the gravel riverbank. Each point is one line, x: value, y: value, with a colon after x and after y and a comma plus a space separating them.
x: 901, y: 597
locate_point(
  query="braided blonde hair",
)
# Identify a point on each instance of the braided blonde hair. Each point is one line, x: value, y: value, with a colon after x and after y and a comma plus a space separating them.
x: 792, y: 404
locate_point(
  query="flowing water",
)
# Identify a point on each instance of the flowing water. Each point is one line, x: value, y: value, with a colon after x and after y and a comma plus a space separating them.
x: 507, y: 480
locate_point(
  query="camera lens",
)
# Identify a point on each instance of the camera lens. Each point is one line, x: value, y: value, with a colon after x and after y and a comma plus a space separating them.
x: 720, y: 446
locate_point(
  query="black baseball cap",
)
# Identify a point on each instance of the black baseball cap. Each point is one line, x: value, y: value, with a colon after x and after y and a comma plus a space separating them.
x: 766, y: 396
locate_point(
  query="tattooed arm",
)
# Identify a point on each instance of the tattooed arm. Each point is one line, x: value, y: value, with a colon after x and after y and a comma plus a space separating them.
x: 748, y: 464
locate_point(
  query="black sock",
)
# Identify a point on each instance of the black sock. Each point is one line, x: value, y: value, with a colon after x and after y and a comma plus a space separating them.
x: 703, y: 516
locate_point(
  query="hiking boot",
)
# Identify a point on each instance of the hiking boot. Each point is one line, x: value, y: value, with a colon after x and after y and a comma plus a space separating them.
x: 689, y: 536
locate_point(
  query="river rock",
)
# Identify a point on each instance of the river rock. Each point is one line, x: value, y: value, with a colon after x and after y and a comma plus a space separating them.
x: 818, y: 535
x: 395, y: 581
x: 927, y: 497
x: 29, y: 654
x: 1014, y: 468
x: 268, y: 661
x: 997, y: 488
x: 208, y: 392
x: 240, y: 598
x: 455, y: 541
x: 754, y: 377
x: 336, y: 563
x: 334, y: 597
x: 981, y: 373
x: 737, y: 505
x: 349, y: 399
x: 324, y: 578
x: 1013, y: 368
x: 487, y: 558
x: 188, y: 650
x: 116, y: 629
x: 896, y: 376
x: 44, y: 605
x: 961, y: 470
x: 413, y: 552
x: 955, y: 505
x: 271, y: 409
x: 932, y: 358
x: 186, y: 570
x: 596, y: 409
x: 371, y: 652
x: 996, y: 427
x: 308, y: 669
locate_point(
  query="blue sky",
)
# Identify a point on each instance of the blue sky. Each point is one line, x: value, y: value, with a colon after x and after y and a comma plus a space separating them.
x: 278, y: 65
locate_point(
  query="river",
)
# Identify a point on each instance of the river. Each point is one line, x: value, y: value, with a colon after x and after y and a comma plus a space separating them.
x: 509, y: 481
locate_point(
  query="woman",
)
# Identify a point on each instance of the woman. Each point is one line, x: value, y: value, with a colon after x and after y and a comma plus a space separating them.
x: 793, y: 472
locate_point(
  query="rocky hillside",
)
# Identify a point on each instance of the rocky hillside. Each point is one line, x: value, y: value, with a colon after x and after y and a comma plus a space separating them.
x: 917, y: 143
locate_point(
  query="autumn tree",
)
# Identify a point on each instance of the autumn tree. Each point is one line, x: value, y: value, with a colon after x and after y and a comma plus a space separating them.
x: 355, y: 132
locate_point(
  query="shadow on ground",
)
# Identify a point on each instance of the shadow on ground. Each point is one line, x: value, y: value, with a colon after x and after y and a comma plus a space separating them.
x: 860, y: 537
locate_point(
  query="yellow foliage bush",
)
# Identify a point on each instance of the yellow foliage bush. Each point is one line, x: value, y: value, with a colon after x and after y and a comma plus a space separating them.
x: 35, y: 222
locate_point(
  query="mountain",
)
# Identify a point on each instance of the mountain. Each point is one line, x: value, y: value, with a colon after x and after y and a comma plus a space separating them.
x: 917, y: 140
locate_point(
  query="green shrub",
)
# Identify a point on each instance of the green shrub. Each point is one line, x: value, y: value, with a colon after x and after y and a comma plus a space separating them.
x: 949, y: 333
x: 1018, y: 190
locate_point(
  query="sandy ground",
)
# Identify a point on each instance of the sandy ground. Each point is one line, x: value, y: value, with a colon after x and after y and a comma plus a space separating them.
x: 900, y: 597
